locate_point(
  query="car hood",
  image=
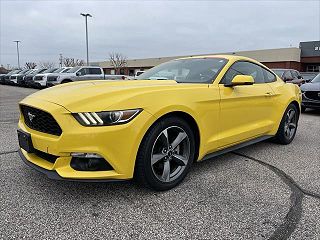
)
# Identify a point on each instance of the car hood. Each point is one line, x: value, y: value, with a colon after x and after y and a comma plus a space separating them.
x: 99, y: 95
x: 311, y: 86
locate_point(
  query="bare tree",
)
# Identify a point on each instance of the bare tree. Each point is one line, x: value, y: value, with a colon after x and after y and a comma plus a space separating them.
x: 30, y: 65
x: 118, y: 61
x: 47, y: 65
x: 79, y: 62
x: 71, y: 62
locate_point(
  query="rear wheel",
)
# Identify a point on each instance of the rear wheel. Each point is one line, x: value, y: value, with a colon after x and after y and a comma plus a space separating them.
x: 166, y: 154
x: 288, y: 126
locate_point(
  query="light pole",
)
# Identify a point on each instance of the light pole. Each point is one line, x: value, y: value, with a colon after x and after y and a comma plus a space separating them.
x: 17, y: 41
x: 86, y: 15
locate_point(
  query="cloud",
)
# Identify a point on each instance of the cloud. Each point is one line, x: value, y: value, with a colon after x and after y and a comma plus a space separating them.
x: 141, y: 29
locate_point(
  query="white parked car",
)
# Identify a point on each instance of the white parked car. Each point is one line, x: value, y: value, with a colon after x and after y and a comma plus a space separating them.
x: 40, y: 80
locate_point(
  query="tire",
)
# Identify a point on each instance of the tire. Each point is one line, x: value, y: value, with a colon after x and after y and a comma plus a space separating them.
x: 288, y: 125
x: 159, y: 166
x: 65, y: 81
x: 303, y: 109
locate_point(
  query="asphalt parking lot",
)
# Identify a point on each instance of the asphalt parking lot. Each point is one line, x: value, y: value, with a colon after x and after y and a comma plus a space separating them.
x: 265, y: 191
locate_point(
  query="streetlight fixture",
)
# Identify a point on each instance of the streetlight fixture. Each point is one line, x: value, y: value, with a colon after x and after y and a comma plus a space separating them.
x: 86, y: 15
x: 17, y: 42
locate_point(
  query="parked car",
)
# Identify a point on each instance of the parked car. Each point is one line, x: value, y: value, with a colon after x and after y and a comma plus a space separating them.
x: 6, y: 78
x: 308, y: 76
x: 290, y: 76
x: 2, y: 77
x: 76, y: 74
x: 311, y: 94
x: 154, y: 130
x: 40, y: 79
x: 29, y: 78
x: 14, y: 77
x: 21, y: 77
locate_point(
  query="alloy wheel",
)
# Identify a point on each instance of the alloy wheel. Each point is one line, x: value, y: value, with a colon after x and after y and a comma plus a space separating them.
x: 170, y: 154
x: 290, y: 125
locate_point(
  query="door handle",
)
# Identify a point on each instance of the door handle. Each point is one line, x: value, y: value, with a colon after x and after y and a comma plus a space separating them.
x: 268, y: 94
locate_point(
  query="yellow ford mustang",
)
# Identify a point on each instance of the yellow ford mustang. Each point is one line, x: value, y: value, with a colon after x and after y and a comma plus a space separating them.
x: 155, y: 127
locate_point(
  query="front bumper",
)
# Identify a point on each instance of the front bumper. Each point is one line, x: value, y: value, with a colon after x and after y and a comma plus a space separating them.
x: 118, y: 144
x: 39, y: 84
x: 310, y: 103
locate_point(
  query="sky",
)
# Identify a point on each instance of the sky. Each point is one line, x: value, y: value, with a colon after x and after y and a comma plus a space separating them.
x: 140, y: 29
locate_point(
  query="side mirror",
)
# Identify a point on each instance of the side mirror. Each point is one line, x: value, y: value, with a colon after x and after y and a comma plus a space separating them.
x: 241, y: 80
x: 78, y: 73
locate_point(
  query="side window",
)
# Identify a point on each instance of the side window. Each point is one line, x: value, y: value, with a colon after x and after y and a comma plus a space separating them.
x: 268, y: 76
x: 94, y: 71
x: 82, y: 71
x: 244, y: 68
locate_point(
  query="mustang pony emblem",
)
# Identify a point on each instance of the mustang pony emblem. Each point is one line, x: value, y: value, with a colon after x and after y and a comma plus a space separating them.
x: 31, y: 116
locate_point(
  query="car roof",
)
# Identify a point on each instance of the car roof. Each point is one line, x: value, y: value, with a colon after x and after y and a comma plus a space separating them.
x: 225, y: 56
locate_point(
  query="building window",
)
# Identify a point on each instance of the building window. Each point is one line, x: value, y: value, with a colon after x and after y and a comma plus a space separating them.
x: 313, y: 68
x: 113, y: 72
x: 122, y: 71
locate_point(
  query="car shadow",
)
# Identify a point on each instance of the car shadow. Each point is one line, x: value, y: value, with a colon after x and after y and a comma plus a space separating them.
x: 312, y: 112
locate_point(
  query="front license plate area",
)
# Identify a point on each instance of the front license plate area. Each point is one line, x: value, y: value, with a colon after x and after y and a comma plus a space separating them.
x: 25, y: 141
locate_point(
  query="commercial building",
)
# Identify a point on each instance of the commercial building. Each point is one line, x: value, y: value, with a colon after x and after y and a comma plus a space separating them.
x: 306, y: 58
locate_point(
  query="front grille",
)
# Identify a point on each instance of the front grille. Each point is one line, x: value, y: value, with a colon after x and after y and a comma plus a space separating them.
x: 315, y: 95
x: 52, y: 78
x: 40, y: 120
x: 46, y: 156
x: 13, y: 77
x: 28, y: 78
x: 38, y: 78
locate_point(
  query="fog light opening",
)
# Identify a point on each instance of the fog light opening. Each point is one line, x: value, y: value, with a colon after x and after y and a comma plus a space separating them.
x: 89, y: 162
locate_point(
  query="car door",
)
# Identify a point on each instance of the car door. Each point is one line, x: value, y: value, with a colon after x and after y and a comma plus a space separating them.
x: 245, y: 111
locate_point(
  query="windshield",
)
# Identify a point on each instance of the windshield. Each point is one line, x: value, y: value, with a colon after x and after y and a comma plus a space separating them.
x: 278, y: 72
x: 73, y: 70
x: 316, y: 79
x: 14, y: 71
x: 50, y: 70
x: 192, y: 70
x: 24, y: 71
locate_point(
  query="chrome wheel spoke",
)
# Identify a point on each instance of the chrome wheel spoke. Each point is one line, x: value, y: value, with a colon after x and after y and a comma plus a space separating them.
x: 166, y: 171
x: 181, y: 136
x: 291, y: 115
x: 165, y: 134
x: 292, y: 125
x: 156, y: 158
x: 180, y: 160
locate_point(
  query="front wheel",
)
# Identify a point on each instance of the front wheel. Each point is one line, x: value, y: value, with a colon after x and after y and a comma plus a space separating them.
x: 166, y: 154
x: 288, y: 126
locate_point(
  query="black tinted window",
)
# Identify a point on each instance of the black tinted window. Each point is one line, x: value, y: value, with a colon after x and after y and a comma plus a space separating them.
x: 268, y: 76
x: 244, y: 68
x: 94, y: 71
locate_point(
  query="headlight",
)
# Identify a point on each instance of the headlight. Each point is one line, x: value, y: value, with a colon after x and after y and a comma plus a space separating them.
x: 106, y: 118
